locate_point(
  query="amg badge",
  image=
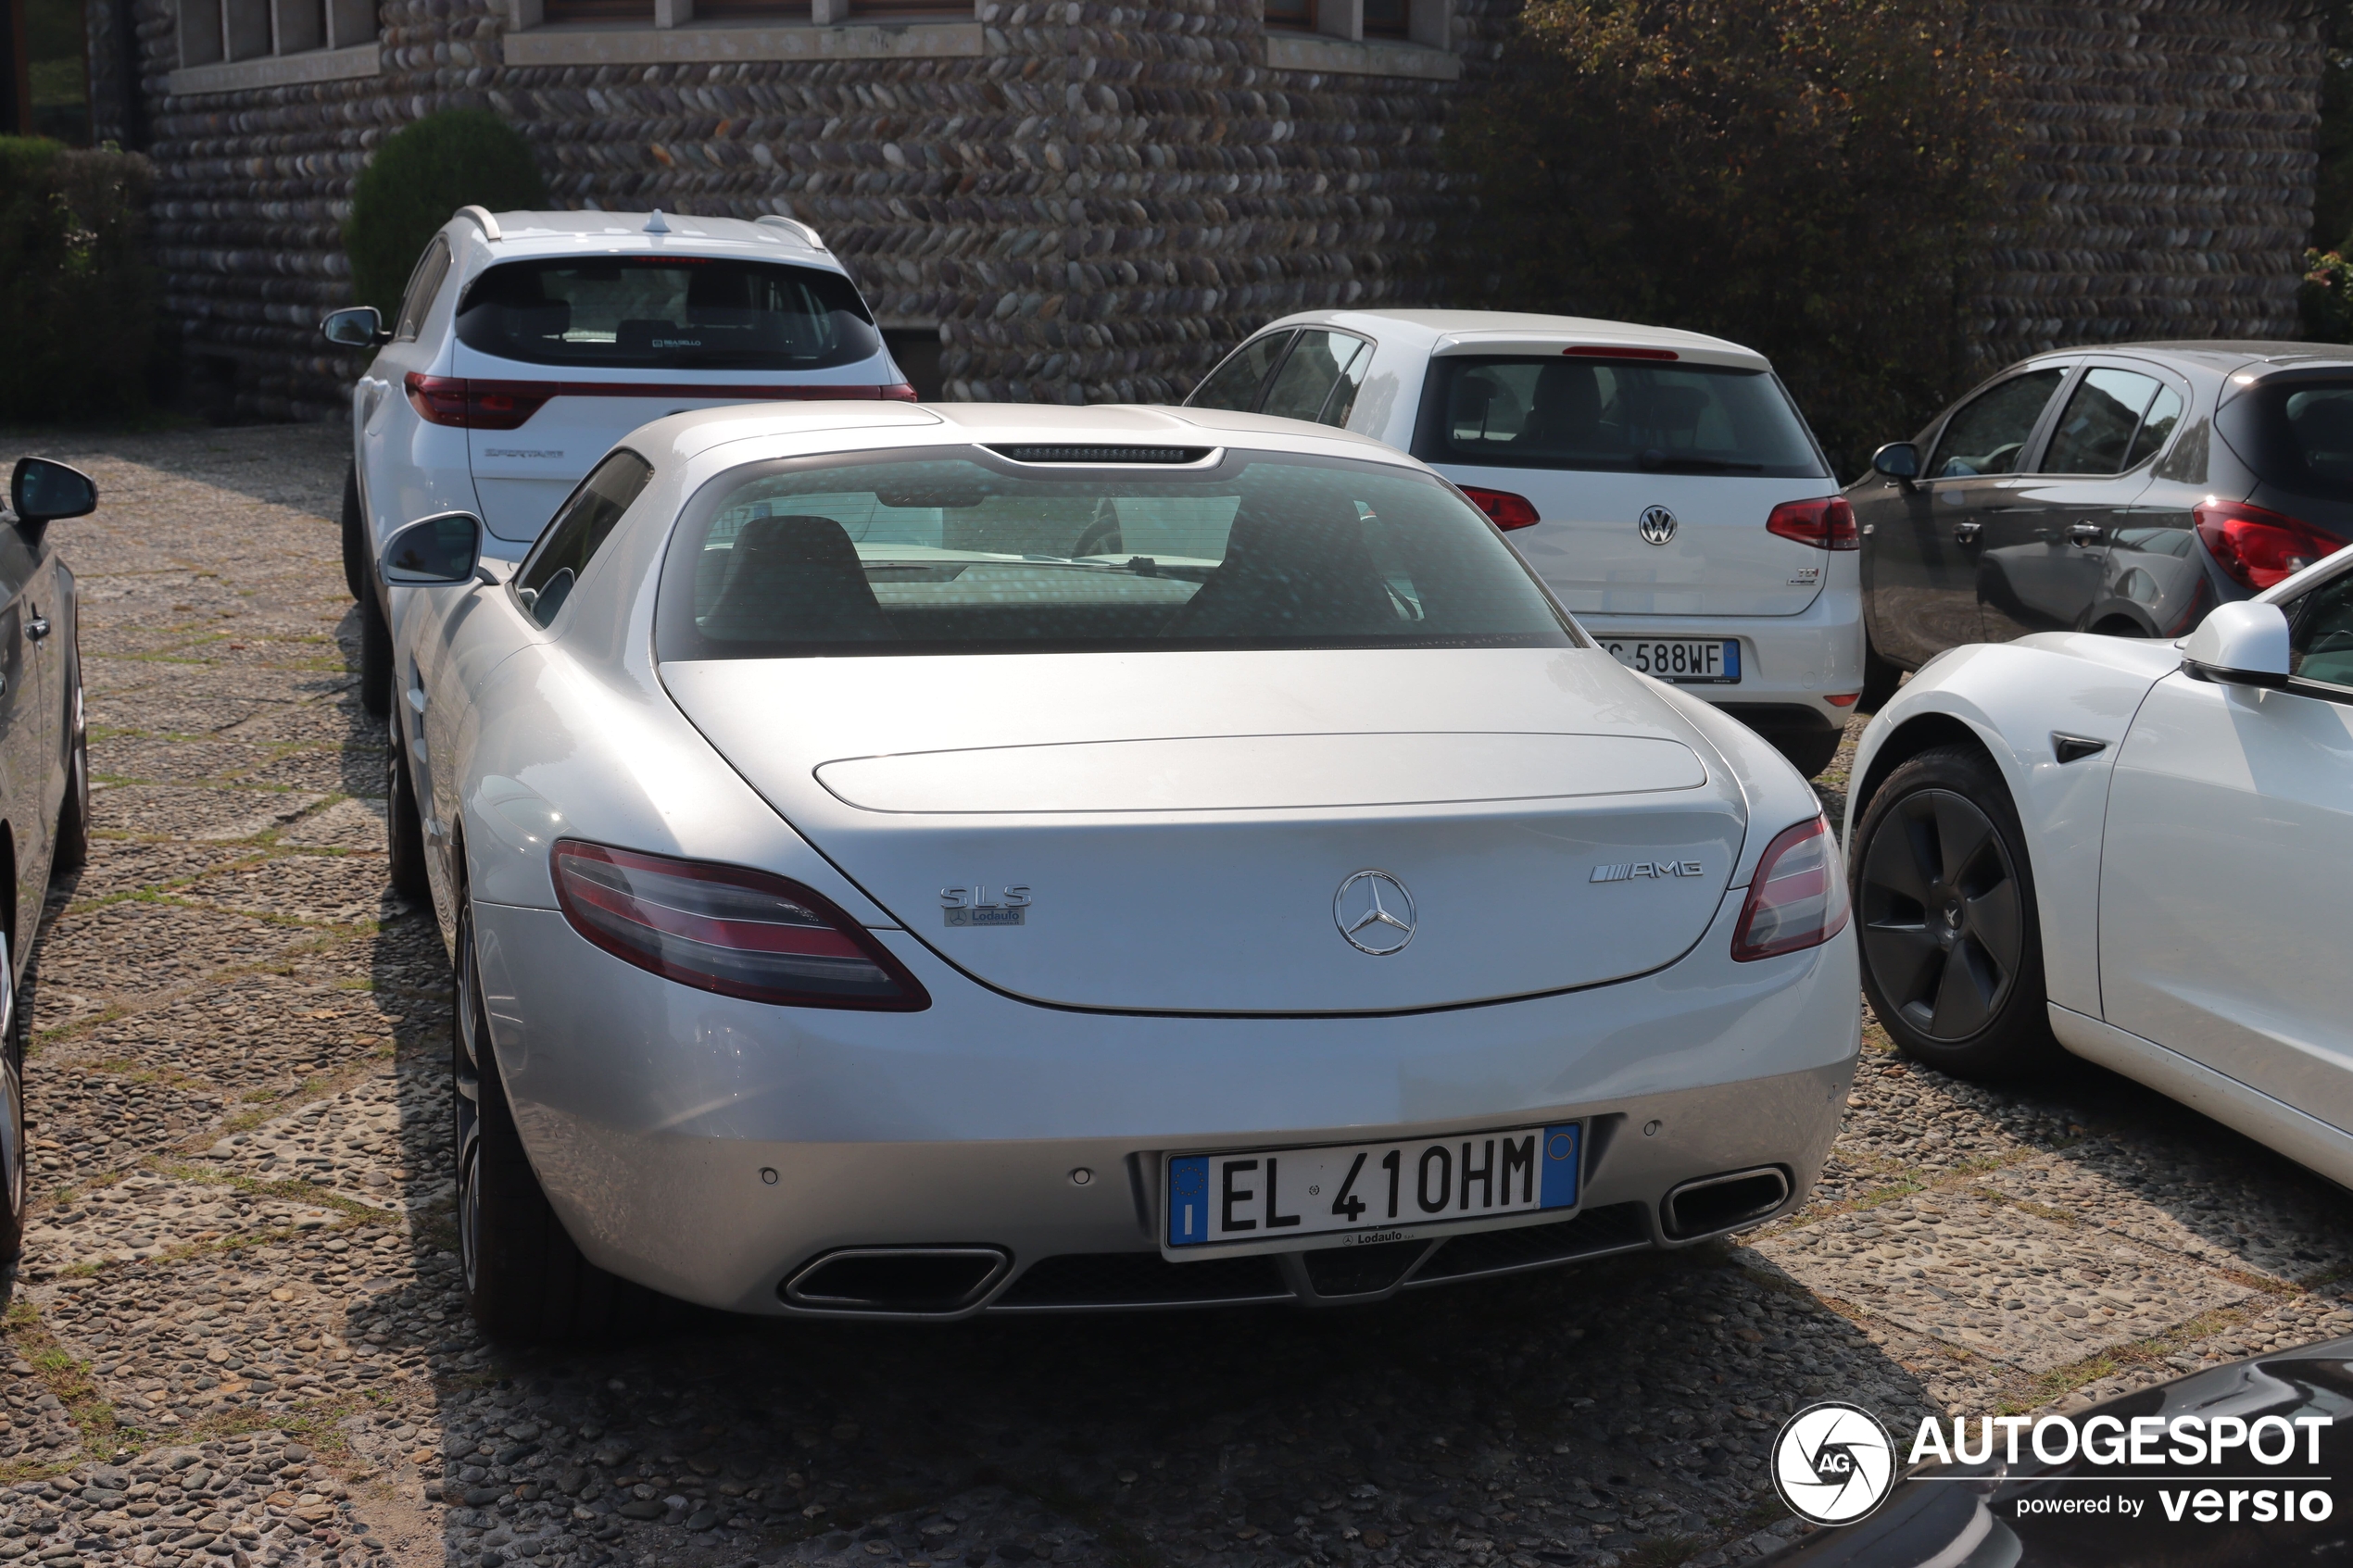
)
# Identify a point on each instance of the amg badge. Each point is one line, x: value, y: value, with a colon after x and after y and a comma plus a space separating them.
x: 1646, y: 869
x: 973, y: 906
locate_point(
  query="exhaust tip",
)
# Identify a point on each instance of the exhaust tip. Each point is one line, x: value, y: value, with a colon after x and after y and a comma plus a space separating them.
x: 1723, y: 1202
x: 913, y: 1280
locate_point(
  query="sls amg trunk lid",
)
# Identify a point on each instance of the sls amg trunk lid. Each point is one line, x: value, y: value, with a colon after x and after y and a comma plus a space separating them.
x: 1324, y: 831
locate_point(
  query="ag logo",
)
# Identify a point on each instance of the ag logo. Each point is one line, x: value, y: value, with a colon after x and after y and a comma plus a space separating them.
x: 1658, y: 525
x: 1833, y: 1462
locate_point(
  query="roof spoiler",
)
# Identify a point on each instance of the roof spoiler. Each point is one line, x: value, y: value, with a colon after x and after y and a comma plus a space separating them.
x: 794, y: 226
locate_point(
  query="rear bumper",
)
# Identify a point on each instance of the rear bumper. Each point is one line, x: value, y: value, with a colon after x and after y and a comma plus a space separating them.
x: 1786, y: 661
x: 710, y: 1148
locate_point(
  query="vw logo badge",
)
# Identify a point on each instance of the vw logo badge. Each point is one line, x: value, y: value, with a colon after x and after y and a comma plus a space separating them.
x: 1374, y: 912
x: 1658, y: 525
x: 1833, y: 1462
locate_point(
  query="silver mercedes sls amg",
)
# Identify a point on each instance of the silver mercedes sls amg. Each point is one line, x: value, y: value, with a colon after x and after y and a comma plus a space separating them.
x: 917, y: 861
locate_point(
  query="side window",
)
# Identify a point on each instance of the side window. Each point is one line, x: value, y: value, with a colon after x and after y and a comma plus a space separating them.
x: 1234, y: 384
x: 1312, y: 373
x: 2321, y: 634
x: 423, y: 283
x: 2156, y: 427
x: 1988, y: 433
x: 572, y: 539
x: 2095, y: 434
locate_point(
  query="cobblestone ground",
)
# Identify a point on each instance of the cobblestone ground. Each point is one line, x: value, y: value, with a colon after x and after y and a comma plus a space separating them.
x: 237, y: 1339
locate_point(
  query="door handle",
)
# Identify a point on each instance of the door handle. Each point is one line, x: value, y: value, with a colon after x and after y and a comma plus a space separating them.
x: 37, y: 628
x: 2083, y: 533
x: 1967, y: 533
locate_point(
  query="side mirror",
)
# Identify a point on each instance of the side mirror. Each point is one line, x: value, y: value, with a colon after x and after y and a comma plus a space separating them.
x: 360, y: 327
x: 40, y: 492
x: 433, y: 550
x: 1897, y: 459
x: 2244, y: 644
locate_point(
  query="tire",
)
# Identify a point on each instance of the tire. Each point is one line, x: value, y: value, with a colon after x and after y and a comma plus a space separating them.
x: 375, y: 658
x: 1880, y: 680
x: 1945, y: 915
x: 404, y: 827
x: 355, y: 535
x: 71, y: 850
x: 14, y: 1157
x: 525, y: 1282
x: 1809, y: 753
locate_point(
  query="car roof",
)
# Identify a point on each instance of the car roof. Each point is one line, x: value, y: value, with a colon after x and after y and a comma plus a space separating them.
x: 522, y: 235
x: 2219, y: 355
x: 810, y: 428
x: 1502, y: 332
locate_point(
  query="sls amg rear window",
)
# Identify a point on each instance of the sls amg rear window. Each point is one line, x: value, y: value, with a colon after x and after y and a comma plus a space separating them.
x: 670, y: 313
x: 1619, y: 416
x: 957, y: 553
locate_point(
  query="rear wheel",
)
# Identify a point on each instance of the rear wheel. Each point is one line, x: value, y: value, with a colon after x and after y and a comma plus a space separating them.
x: 526, y: 1282
x: 1945, y: 911
x: 1809, y: 753
x: 404, y: 828
x: 72, y: 849
x: 375, y: 657
x: 355, y: 535
x: 1880, y: 680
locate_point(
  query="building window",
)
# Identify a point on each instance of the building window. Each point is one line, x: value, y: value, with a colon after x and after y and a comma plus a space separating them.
x: 220, y: 32
x: 1291, y: 13
x: 1417, y: 21
x: 680, y: 13
x: 1388, y: 19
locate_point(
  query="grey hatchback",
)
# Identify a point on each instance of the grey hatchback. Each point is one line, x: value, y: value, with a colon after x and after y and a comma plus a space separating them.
x: 2124, y: 490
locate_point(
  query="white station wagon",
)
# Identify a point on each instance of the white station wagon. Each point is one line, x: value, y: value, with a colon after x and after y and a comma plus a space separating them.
x: 1661, y: 482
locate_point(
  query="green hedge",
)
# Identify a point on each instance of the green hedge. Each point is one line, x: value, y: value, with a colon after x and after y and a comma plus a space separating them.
x: 421, y: 176
x: 78, y: 292
x: 1813, y: 178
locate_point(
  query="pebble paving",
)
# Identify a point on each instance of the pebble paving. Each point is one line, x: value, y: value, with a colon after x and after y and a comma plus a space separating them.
x: 238, y: 1336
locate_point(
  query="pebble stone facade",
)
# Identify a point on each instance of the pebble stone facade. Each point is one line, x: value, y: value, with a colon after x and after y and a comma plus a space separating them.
x: 1108, y: 196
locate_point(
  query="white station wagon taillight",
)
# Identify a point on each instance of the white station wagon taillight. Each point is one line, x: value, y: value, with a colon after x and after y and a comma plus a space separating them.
x: 1796, y: 899
x: 728, y: 929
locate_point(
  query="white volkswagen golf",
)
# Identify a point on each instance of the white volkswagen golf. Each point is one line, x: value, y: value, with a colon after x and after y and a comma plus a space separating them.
x: 1661, y: 482
x: 927, y: 860
x: 528, y: 343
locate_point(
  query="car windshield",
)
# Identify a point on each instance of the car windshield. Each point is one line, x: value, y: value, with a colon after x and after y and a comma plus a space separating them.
x: 1616, y: 415
x: 963, y: 553
x: 663, y: 312
x: 2295, y: 433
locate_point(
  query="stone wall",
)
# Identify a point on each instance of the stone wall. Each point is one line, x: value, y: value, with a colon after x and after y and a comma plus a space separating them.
x: 1112, y: 194
x: 2167, y: 180
x: 1095, y: 208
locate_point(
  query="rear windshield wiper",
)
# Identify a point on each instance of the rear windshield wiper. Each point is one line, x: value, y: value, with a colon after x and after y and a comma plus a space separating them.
x: 1655, y: 459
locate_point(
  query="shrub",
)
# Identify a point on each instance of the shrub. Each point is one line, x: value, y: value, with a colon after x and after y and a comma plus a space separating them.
x: 1812, y: 178
x: 421, y: 176
x: 2326, y: 298
x: 77, y: 290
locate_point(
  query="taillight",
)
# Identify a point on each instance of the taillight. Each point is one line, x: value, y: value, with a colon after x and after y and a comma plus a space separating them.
x: 726, y: 929
x: 1796, y: 899
x: 1827, y: 523
x: 902, y: 393
x: 440, y: 399
x: 475, y: 404
x: 2259, y: 547
x: 1504, y: 510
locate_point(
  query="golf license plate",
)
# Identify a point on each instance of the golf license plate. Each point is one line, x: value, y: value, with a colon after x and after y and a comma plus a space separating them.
x: 1370, y: 1191
x: 1692, y: 660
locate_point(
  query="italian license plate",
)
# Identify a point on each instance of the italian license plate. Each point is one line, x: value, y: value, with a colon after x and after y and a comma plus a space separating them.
x: 1370, y: 1192
x: 1690, y: 660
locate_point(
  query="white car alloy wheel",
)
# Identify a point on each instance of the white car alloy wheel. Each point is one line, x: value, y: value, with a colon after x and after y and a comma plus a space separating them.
x: 465, y: 1098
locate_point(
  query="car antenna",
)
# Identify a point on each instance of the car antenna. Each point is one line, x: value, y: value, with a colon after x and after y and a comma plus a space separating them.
x: 654, y: 225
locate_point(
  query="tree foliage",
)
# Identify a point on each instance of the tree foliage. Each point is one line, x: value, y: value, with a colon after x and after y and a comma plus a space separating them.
x: 1815, y: 179
x: 418, y: 179
x: 79, y: 289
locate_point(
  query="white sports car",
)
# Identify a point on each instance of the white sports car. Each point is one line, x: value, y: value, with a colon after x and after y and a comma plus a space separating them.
x: 924, y: 860
x: 2140, y: 848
